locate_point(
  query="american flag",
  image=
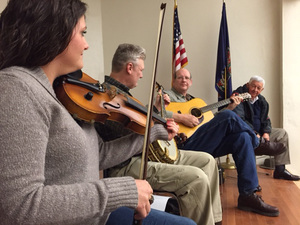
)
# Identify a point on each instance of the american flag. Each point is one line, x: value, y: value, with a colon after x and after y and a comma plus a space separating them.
x: 179, y: 54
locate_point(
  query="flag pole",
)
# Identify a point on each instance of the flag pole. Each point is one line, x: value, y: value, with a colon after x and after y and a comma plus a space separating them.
x: 227, y: 164
x: 172, y: 56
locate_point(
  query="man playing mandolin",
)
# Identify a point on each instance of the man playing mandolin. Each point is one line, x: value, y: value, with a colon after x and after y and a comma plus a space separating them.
x: 225, y: 134
x: 194, y: 175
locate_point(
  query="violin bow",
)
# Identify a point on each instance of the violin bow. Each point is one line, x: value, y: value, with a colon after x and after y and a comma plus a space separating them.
x: 144, y: 161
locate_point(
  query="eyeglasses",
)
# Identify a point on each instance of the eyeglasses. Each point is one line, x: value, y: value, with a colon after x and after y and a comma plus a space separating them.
x: 256, y: 87
x: 183, y: 77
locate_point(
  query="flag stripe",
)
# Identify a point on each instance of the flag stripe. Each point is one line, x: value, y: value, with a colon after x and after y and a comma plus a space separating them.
x: 179, y: 53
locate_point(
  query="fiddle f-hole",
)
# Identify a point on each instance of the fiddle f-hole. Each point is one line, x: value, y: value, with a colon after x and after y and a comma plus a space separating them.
x: 106, y: 105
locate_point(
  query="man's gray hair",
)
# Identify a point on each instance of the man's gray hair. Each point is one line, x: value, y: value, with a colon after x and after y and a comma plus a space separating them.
x: 259, y: 79
x: 126, y: 53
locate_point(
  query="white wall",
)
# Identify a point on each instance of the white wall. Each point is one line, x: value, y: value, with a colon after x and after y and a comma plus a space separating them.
x: 291, y: 76
x: 93, y: 58
x: 2, y: 5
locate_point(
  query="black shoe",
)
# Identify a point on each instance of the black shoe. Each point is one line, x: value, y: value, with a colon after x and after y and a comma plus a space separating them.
x: 269, y: 148
x: 254, y: 203
x: 285, y: 175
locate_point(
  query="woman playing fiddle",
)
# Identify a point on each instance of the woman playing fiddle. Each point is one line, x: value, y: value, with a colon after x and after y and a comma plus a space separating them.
x: 49, y: 162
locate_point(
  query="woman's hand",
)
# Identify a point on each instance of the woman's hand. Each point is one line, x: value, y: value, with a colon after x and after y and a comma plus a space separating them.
x: 144, y: 195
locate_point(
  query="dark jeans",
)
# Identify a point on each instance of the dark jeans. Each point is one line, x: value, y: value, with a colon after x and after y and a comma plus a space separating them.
x: 226, y: 134
x: 124, y: 216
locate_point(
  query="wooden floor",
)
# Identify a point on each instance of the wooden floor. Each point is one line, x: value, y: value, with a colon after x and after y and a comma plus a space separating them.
x: 280, y: 193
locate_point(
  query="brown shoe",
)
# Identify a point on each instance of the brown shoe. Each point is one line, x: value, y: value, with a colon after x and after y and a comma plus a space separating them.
x: 269, y: 148
x: 254, y: 203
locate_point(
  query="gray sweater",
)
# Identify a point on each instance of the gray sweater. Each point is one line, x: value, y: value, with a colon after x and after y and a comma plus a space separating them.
x: 50, y: 164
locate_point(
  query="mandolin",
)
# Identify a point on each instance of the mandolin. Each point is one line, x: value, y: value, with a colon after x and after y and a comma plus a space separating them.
x: 161, y: 150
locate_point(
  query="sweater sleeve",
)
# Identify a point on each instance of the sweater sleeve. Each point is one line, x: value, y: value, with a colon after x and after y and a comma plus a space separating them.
x: 266, y: 126
x: 27, y: 194
x: 131, y: 144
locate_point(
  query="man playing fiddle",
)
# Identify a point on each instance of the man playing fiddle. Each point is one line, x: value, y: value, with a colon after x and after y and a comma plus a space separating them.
x: 194, y: 175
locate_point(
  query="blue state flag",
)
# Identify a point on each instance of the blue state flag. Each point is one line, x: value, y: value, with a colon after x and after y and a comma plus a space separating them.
x: 223, y: 83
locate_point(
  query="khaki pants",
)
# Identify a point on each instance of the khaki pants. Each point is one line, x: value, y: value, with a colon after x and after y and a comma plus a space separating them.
x: 280, y: 135
x: 194, y: 178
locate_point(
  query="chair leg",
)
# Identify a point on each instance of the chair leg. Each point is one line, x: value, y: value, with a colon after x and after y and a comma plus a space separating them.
x: 269, y: 163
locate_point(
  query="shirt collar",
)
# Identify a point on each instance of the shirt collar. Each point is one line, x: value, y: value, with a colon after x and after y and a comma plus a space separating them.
x: 177, y: 93
x: 116, y: 83
x: 188, y: 97
x: 254, y: 100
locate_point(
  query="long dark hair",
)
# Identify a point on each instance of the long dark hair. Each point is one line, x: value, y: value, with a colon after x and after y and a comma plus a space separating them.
x: 34, y: 32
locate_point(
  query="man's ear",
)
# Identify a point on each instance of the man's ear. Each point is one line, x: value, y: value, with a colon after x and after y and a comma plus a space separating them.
x: 129, y: 67
x: 191, y: 82
x: 173, y: 81
x: 247, y: 85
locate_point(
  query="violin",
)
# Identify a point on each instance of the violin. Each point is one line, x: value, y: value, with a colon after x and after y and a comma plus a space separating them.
x: 88, y: 100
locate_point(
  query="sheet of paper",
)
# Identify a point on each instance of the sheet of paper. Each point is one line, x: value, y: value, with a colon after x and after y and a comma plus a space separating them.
x: 160, y: 202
